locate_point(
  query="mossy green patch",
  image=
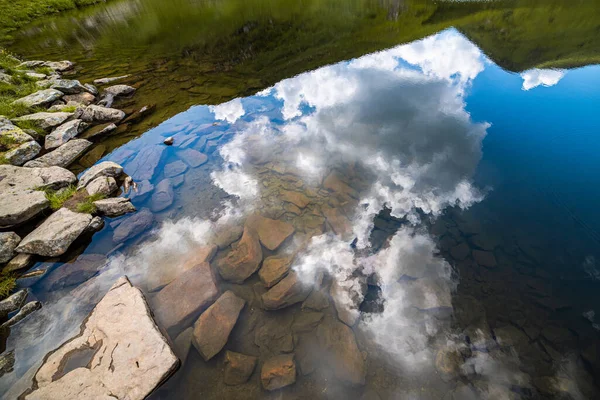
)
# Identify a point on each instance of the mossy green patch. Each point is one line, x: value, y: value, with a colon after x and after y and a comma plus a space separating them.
x: 8, y: 282
x: 88, y: 206
x: 58, y: 197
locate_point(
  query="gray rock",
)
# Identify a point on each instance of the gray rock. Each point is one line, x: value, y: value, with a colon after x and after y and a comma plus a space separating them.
x: 20, y: 261
x: 31, y: 64
x: 192, y: 157
x: 175, y: 168
x: 162, y: 196
x: 133, y: 225
x: 12, y: 303
x: 35, y: 75
x: 13, y: 133
x: 91, y: 89
x: 74, y: 273
x: 104, y: 185
x: 23, y: 313
x: 63, y: 156
x: 94, y: 113
x: 23, y: 153
x: 60, y: 66
x: 54, y: 236
x: 46, y: 120
x: 105, y: 168
x: 64, y: 133
x: 143, y: 166
x: 5, y: 78
x: 19, y: 196
x: 94, y: 226
x: 99, y: 130
x: 169, y: 141
x: 119, y: 90
x: 8, y: 244
x: 84, y: 98
x: 114, y: 207
x: 130, y: 356
x: 7, y: 359
x: 182, y: 344
x: 68, y: 86
x: 40, y: 98
x: 104, y: 81
x: 238, y: 368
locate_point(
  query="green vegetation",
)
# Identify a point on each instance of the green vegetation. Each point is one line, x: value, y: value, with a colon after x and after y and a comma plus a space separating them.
x: 8, y: 282
x: 58, y: 197
x: 68, y: 109
x: 19, y: 85
x: 87, y: 206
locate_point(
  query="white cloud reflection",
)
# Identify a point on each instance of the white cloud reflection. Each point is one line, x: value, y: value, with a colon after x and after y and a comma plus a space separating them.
x: 230, y: 111
x: 544, y: 77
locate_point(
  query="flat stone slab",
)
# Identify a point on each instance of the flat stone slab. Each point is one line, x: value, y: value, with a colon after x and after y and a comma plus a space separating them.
x: 46, y: 120
x: 144, y: 164
x: 63, y: 133
x: 63, y: 156
x: 54, y: 236
x: 278, y: 372
x: 124, y: 354
x: 114, y: 207
x: 22, y: 154
x: 93, y: 113
x: 243, y: 259
x: 271, y: 232
x: 40, y: 98
x: 133, y: 225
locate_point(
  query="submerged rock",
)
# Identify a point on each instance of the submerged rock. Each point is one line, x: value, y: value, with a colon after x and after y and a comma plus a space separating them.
x: 63, y: 156
x: 54, y: 236
x: 64, y: 133
x: 212, y: 329
x: 45, y: 120
x: 8, y: 243
x: 121, y: 350
x: 94, y: 113
x: 74, y: 273
x: 182, y: 344
x: 84, y: 98
x: 12, y: 303
x: 174, y: 169
x: 186, y: 296
x: 104, y: 81
x: 274, y: 269
x: 192, y: 157
x: 40, y: 98
x: 23, y: 153
x: 106, y: 168
x: 287, y: 292
x: 114, y: 207
x: 278, y: 372
x: 271, y: 233
x: 133, y: 225
x: 238, y: 368
x: 22, y: 314
x: 143, y: 166
x: 159, y: 277
x: 243, y: 260
x: 99, y: 130
x: 484, y: 258
x: 163, y: 196
x: 119, y: 90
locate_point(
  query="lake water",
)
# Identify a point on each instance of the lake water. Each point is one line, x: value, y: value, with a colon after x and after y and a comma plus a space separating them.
x: 450, y: 191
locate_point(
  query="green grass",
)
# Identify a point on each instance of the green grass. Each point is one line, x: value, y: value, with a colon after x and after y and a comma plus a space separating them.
x: 87, y: 206
x: 68, y: 109
x: 3, y: 159
x: 7, y: 283
x: 7, y: 143
x: 21, y: 85
x: 28, y: 124
x: 58, y: 197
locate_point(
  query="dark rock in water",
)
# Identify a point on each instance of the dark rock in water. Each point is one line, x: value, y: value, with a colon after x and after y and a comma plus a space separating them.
x: 228, y: 235
x: 296, y: 198
x: 104, y: 81
x: 273, y: 335
x: 75, y: 273
x: 169, y: 141
x: 317, y: 300
x: 484, y: 258
x: 8, y: 243
x: 175, y: 168
x: 460, y: 251
x: 448, y: 362
x: 12, y: 303
x: 99, y: 130
x: 338, y: 345
x: 238, y: 368
x: 306, y: 321
x: 182, y: 344
x: 243, y: 260
x: 467, y: 309
x: 192, y: 157
x: 278, y: 372
x: 138, y: 115
x: 23, y: 313
x: 144, y: 164
x: 287, y: 292
x: 133, y: 225
x: 186, y: 296
x: 212, y: 329
x: 271, y: 233
x: 163, y: 196
x: 274, y: 269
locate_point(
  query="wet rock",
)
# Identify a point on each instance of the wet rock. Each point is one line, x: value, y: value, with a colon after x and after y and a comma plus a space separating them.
x: 178, y: 181
x: 92, y: 156
x: 12, y: 303
x: 427, y: 294
x: 119, y: 90
x: 238, y: 368
x: 467, y: 310
x: 182, y: 344
x: 271, y: 233
x: 448, y: 362
x: 68, y: 86
x: 99, y: 131
x: 278, y: 372
x: 338, y: 222
x: 175, y: 168
x: 91, y: 88
x: 296, y: 198
x: 95, y: 225
x: 63, y: 156
x: 127, y: 356
x: 104, y: 81
x: 19, y: 196
x: 104, y: 185
x: 274, y: 269
x: 273, y: 335
x: 64, y: 133
x: 20, y: 261
x: 114, y: 207
x: 84, y: 98
x: 7, y: 361
x: 133, y: 225
x: 484, y: 258
x: 160, y: 277
x: 163, y: 196
x: 8, y: 244
x: 347, y: 296
x: 306, y: 321
x: 186, y: 296
x: 192, y: 157
x: 212, y: 329
x: 25, y: 152
x: 342, y: 356
x: 40, y: 98
x: 74, y: 273
x: 46, y: 120
x: 242, y: 260
x: 287, y: 292
x: 460, y: 251
x: 138, y: 115
x: 144, y: 164
x: 317, y: 300
x: 169, y: 141
x: 22, y: 314
x: 106, y: 168
x: 334, y: 183
x: 54, y: 236
x: 228, y: 235
x: 59, y: 66
x: 94, y: 113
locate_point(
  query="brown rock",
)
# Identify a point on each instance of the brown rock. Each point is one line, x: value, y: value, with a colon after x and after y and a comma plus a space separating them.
x: 184, y: 297
x: 306, y: 321
x: 278, y: 372
x: 212, y: 329
x: 272, y: 233
x: 296, y: 198
x: 337, y: 221
x: 228, y: 235
x: 182, y: 344
x: 238, y: 368
x: 163, y: 276
x: 484, y: 258
x: 341, y: 352
x: 287, y: 292
x: 317, y: 300
x: 243, y: 260
x: 273, y: 335
x: 274, y: 269
x: 334, y: 183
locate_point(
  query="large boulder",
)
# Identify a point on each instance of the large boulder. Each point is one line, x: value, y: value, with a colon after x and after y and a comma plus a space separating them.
x: 68, y: 86
x: 40, y: 98
x: 20, y: 196
x: 278, y: 372
x: 65, y: 132
x: 243, y: 259
x: 114, y: 207
x: 163, y: 196
x: 45, y: 120
x: 23, y: 153
x: 212, y: 329
x: 271, y: 233
x: 121, y: 351
x: 135, y: 224
x: 186, y: 296
x: 8, y: 244
x: 238, y: 368
x: 94, y: 113
x: 290, y: 290
x: 54, y: 236
x: 340, y: 352
x: 106, y: 168
x: 63, y: 156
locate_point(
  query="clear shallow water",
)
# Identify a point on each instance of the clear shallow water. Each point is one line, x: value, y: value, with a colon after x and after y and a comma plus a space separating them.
x: 456, y: 148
